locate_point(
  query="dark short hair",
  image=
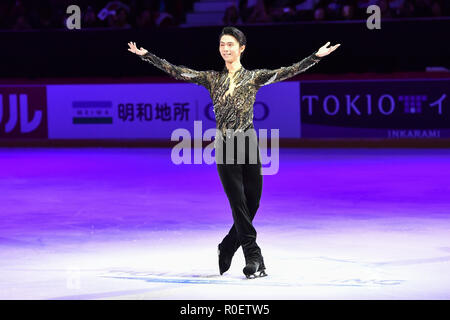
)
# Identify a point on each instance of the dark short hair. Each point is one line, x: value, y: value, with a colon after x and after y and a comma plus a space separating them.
x: 236, y: 33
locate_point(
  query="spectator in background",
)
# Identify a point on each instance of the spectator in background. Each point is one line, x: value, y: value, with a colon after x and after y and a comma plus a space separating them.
x: 361, y: 7
x: 118, y: 19
x: 394, y: 4
x: 18, y: 16
x: 446, y: 8
x: 423, y: 8
x: 319, y: 14
x: 164, y: 19
x: 3, y: 15
x: 246, y: 8
x: 332, y: 8
x: 43, y: 14
x: 231, y: 16
x: 348, y: 11
x: 122, y: 18
x: 305, y: 9
x: 176, y: 9
x: 282, y: 10
x: 385, y: 9
x: 113, y: 15
x: 259, y: 13
x: 166, y: 12
x: 338, y: 10
x: 111, y: 19
x: 90, y: 19
x: 18, y: 9
x: 59, y: 8
x: 145, y: 19
x: 436, y: 9
x: 406, y: 9
x: 46, y: 16
x: 21, y: 23
x: 363, y: 4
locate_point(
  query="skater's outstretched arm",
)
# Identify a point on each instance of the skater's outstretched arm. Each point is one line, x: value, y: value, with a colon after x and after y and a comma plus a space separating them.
x: 265, y: 76
x: 179, y: 72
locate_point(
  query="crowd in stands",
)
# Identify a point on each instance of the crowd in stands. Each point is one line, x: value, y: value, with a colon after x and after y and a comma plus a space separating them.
x: 50, y: 14
x: 316, y: 10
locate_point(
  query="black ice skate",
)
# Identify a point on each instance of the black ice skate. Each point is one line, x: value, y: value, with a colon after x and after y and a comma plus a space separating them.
x: 252, y: 268
x: 224, y: 260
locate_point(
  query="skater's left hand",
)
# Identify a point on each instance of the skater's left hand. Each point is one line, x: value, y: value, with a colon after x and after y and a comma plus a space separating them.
x: 324, y: 50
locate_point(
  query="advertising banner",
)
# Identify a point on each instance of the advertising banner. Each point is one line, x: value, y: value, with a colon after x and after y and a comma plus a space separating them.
x: 156, y: 110
x: 375, y: 109
x: 306, y: 109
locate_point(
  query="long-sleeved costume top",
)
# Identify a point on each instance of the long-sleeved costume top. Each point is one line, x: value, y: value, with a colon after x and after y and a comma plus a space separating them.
x: 233, y: 96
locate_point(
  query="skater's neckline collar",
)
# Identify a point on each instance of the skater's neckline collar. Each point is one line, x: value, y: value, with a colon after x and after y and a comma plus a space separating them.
x: 241, y: 68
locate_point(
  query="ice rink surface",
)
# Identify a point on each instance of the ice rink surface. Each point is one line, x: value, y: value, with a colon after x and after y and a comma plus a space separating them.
x: 118, y: 223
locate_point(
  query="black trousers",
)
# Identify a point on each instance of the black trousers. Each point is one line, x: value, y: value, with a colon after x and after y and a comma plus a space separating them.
x: 242, y: 183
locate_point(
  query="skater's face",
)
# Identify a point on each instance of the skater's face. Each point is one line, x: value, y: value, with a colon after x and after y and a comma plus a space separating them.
x: 229, y: 48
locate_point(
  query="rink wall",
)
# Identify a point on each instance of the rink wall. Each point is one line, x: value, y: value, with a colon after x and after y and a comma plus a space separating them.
x: 141, y: 111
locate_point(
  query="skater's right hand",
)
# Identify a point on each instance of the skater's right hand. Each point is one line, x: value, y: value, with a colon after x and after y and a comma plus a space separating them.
x: 135, y: 50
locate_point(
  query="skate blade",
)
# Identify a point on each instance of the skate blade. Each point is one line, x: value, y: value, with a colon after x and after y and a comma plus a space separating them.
x: 254, y: 275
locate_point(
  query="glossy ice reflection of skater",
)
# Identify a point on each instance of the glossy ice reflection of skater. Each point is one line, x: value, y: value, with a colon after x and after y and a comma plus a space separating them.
x: 233, y: 92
